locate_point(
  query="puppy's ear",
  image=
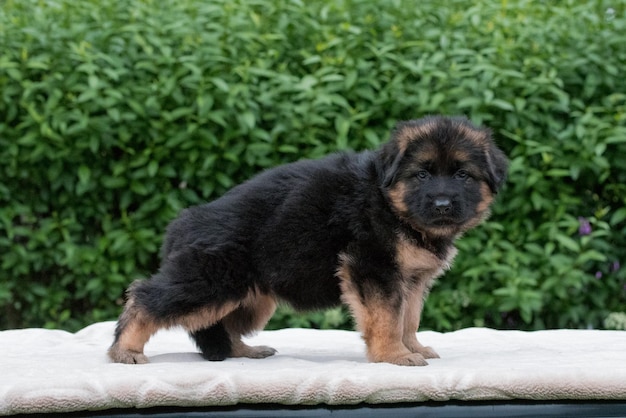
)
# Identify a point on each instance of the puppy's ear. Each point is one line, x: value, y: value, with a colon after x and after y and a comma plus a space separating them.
x: 389, y: 160
x: 497, y: 166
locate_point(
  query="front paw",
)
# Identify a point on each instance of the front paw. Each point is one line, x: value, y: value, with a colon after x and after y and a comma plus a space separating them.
x: 411, y: 359
x: 427, y: 352
x: 400, y: 357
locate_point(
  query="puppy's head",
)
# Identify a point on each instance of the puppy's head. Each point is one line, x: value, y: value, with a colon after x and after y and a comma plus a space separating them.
x: 441, y: 174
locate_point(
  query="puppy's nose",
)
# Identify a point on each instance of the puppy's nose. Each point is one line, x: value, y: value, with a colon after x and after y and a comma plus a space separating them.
x: 442, y: 205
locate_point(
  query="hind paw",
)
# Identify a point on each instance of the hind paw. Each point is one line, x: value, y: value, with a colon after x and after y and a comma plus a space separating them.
x: 119, y: 355
x: 260, y: 351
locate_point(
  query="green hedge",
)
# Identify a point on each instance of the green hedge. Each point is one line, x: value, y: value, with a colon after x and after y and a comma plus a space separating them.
x: 115, y: 114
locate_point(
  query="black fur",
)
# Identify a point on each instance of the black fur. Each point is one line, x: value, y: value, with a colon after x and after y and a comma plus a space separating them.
x: 280, y: 231
x: 213, y: 342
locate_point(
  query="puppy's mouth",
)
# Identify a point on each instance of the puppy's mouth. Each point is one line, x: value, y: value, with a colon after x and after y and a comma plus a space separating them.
x: 443, y: 222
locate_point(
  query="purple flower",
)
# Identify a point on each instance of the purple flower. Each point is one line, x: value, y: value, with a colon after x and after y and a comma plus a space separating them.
x: 615, y: 266
x: 585, y: 226
x: 598, y: 275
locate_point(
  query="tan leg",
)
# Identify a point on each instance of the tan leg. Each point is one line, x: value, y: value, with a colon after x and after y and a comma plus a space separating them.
x: 412, y: 316
x: 136, y: 326
x: 381, y: 323
x: 382, y: 331
x: 134, y: 329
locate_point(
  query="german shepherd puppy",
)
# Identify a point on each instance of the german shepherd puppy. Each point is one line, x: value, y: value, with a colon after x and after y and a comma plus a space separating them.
x: 371, y: 229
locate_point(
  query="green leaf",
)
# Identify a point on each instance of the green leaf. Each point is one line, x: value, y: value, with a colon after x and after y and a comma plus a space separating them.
x: 84, y: 174
x: 502, y: 104
x: 618, y: 217
x: 568, y: 242
x: 153, y: 167
x: 288, y: 149
x: 111, y: 182
x: 220, y: 84
x: 558, y: 172
x: 591, y: 255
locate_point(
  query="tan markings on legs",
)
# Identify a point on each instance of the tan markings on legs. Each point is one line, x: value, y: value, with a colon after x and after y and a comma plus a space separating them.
x: 136, y: 329
x: 259, y: 306
x: 412, y: 316
x: 205, y: 316
x: 382, y: 329
x: 419, y: 268
x: 380, y: 323
x: 252, y: 315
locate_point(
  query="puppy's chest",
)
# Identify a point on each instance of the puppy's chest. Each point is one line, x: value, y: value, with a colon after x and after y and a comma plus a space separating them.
x: 418, y: 263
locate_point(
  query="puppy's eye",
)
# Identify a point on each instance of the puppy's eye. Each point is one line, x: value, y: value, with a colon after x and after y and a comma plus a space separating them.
x: 461, y: 175
x: 422, y: 174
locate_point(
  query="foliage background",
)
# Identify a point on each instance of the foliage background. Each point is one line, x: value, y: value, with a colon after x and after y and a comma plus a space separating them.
x: 115, y: 114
